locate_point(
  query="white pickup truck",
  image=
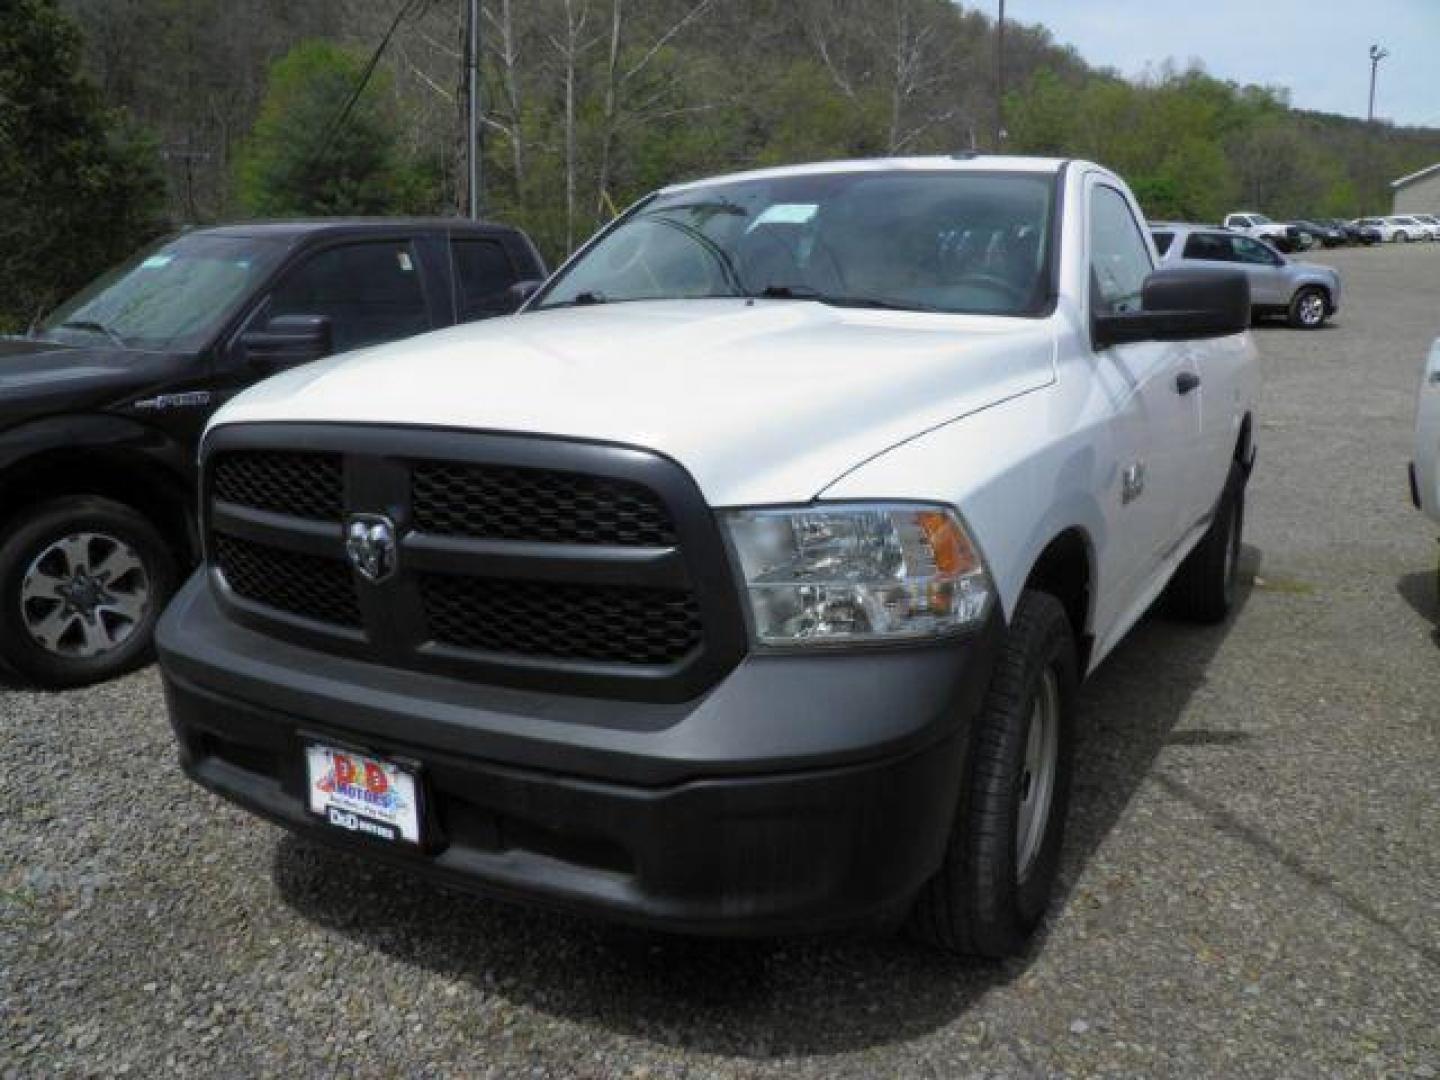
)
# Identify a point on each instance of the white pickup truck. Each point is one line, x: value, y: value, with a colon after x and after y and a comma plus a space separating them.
x: 744, y: 581
x: 1259, y: 227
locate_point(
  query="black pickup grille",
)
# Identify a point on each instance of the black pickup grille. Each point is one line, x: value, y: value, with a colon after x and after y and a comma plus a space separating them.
x: 282, y: 482
x: 522, y: 561
x: 571, y: 622
x: 309, y: 586
x: 497, y: 503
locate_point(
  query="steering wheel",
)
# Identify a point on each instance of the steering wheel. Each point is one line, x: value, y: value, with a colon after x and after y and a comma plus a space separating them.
x: 995, y: 283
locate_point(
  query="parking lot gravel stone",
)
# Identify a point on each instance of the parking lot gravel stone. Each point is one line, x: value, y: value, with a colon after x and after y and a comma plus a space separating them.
x: 1251, y: 885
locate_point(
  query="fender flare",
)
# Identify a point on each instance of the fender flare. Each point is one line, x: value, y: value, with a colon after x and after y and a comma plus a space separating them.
x: 141, y: 452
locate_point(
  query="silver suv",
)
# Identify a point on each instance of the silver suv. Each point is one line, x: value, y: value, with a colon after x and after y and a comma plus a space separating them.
x: 1305, y: 293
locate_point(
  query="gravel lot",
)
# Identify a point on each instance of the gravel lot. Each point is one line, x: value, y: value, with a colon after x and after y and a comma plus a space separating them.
x: 1252, y: 884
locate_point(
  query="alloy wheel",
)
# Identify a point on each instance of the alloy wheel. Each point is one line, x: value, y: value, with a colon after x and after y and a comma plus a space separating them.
x: 84, y: 595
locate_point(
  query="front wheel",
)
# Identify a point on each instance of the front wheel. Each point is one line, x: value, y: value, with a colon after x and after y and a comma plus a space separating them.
x: 1309, y: 309
x: 82, y: 582
x: 1402, y: 238
x: 1004, y: 849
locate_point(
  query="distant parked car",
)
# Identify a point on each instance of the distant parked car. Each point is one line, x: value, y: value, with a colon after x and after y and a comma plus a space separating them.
x: 1431, y: 220
x: 103, y: 402
x: 1321, y: 233
x: 1385, y: 228
x: 1409, y: 228
x: 1305, y: 293
x: 1260, y: 227
x: 1425, y: 467
x: 1354, y: 233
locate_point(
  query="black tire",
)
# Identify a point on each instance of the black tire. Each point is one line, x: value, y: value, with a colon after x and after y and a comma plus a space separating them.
x: 1309, y: 308
x: 30, y: 536
x: 977, y: 903
x: 1203, y: 588
x: 1402, y: 237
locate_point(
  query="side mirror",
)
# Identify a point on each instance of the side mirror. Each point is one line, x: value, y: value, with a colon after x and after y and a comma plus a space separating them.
x: 288, y: 340
x: 1181, y: 303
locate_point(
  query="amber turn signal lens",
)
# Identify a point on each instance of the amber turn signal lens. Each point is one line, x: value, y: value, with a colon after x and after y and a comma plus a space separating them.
x: 951, y: 547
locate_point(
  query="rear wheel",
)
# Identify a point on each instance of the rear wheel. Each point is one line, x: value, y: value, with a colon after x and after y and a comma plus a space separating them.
x: 1402, y: 237
x: 1203, y: 588
x: 1004, y: 849
x: 1309, y: 309
x: 82, y: 582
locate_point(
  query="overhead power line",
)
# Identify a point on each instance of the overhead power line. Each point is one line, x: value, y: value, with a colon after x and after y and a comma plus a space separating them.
x: 337, y: 124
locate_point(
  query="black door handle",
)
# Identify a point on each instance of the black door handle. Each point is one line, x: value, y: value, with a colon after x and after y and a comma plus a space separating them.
x: 1186, y: 381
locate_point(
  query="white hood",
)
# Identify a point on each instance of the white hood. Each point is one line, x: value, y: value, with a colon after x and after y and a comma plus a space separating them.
x: 763, y: 401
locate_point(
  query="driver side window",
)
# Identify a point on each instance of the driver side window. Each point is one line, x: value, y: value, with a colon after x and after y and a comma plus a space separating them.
x: 1254, y: 252
x: 371, y: 292
x: 1119, y: 257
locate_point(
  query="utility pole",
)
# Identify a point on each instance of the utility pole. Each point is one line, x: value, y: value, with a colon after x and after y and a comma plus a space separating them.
x: 1376, y: 55
x: 472, y: 61
x: 1000, y: 80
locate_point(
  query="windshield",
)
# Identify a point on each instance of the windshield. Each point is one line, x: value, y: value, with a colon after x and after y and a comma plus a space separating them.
x: 923, y: 241
x: 172, y: 296
x: 1259, y: 219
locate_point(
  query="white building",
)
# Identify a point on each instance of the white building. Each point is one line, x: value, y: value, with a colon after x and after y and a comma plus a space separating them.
x: 1418, y: 193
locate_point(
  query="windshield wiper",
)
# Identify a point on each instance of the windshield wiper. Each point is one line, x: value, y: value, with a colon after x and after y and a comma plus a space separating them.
x: 721, y: 206
x: 95, y: 328
x: 805, y: 292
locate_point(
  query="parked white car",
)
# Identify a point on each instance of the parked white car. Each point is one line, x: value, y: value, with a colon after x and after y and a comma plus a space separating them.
x: 743, y: 582
x: 1410, y: 228
x: 1425, y: 468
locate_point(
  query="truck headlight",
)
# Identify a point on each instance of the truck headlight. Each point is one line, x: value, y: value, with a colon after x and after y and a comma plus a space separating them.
x: 858, y: 573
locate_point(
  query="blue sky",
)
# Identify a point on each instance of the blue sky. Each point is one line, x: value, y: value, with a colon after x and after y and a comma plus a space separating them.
x: 1316, y: 48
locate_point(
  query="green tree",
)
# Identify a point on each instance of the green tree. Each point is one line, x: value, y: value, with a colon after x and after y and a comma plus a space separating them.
x: 300, y: 159
x: 79, y: 185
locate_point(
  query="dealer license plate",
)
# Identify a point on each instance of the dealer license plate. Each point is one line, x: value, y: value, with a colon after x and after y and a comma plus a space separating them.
x: 362, y: 794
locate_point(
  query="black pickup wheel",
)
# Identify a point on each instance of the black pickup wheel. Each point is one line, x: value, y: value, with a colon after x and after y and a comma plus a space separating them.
x: 82, y: 582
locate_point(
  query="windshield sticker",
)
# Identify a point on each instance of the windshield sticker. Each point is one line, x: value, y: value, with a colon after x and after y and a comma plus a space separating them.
x: 405, y: 263
x: 155, y: 262
x: 785, y: 214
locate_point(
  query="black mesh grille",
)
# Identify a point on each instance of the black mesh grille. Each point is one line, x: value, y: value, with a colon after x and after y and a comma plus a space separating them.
x: 501, y: 503
x: 306, y: 485
x: 305, y: 585
x: 566, y: 621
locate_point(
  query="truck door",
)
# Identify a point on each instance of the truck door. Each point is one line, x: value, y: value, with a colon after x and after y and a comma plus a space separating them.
x: 1156, y: 418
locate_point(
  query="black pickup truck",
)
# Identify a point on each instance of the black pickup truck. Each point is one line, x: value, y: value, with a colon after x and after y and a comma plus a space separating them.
x: 103, y: 402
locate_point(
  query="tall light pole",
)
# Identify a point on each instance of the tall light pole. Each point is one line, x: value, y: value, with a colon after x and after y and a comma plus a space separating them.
x: 473, y: 119
x: 1376, y: 55
x: 1000, y: 80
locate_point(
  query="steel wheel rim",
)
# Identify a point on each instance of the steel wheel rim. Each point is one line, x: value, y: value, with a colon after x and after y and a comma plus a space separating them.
x: 1037, y: 775
x: 84, y: 595
x: 1312, y: 309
